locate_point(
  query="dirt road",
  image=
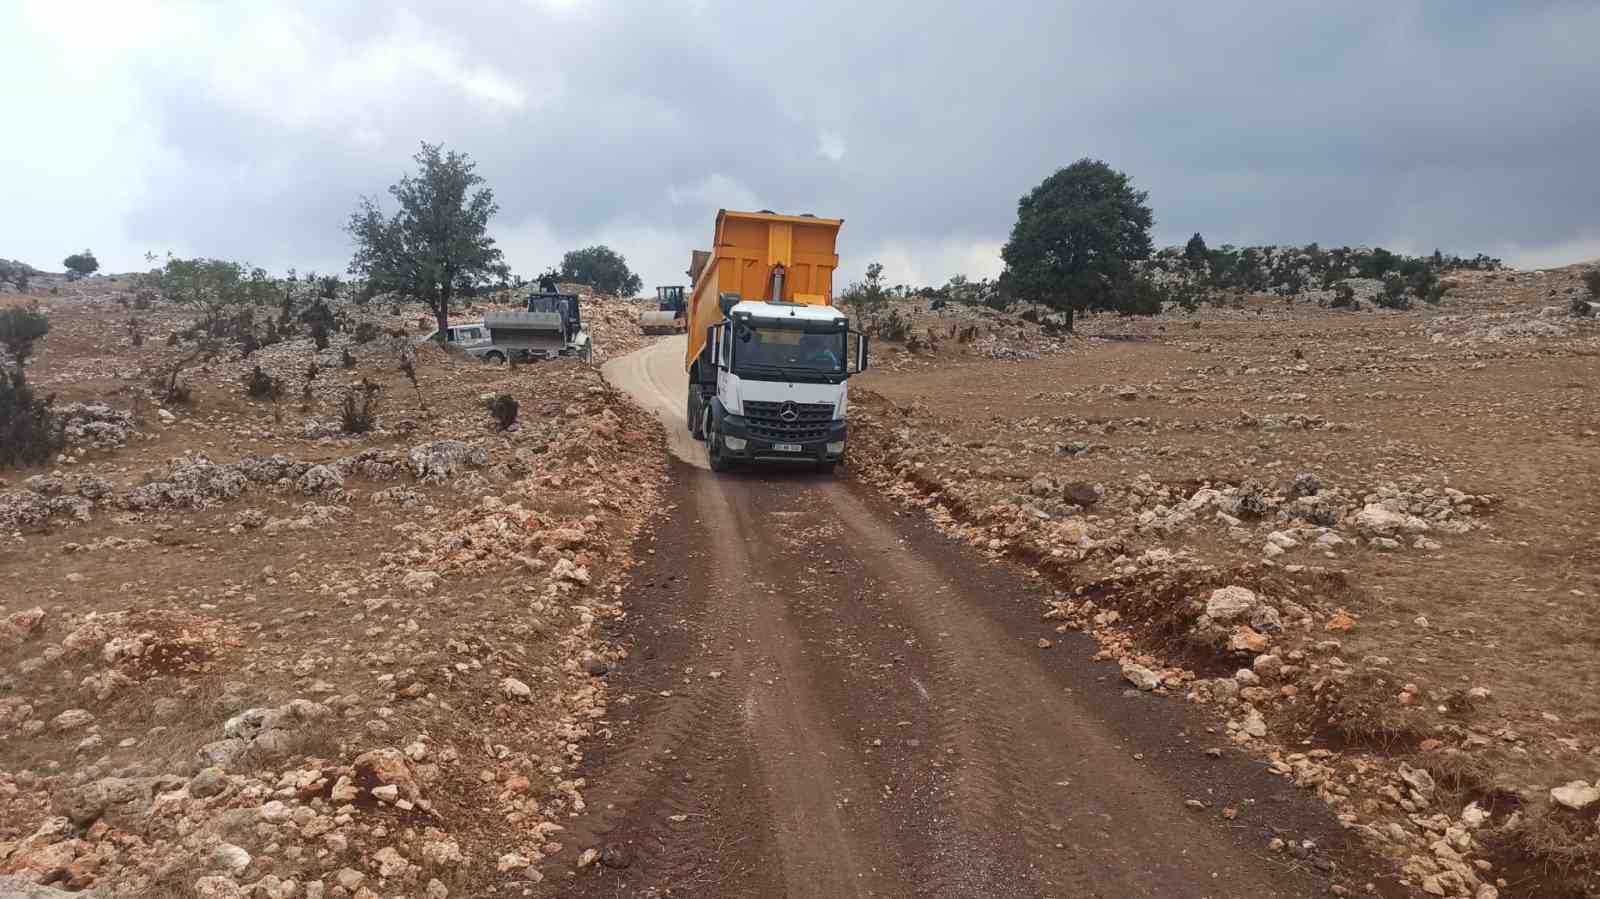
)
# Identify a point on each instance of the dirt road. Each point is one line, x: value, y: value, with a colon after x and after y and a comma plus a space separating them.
x: 655, y: 378
x: 828, y: 699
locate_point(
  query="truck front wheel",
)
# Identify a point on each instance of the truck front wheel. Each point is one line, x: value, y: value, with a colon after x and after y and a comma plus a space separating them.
x: 697, y: 425
x: 714, y: 452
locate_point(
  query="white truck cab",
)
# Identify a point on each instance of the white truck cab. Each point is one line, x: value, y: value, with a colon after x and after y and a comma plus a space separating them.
x: 781, y: 386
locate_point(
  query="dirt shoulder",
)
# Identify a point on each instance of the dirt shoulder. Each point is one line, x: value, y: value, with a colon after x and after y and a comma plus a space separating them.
x: 242, y: 653
x: 1358, y: 537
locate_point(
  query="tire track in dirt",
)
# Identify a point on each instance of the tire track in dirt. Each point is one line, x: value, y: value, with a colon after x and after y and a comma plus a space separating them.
x: 1034, y: 768
x: 773, y: 802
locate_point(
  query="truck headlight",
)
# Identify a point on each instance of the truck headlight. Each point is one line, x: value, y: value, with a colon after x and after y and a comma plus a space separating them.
x: 835, y: 449
x: 736, y: 444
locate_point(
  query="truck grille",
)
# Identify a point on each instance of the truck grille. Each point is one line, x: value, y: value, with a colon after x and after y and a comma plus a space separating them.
x: 788, y: 422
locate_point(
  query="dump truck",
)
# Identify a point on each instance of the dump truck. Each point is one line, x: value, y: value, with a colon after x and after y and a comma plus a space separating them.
x: 669, y: 316
x: 550, y: 326
x: 769, y: 356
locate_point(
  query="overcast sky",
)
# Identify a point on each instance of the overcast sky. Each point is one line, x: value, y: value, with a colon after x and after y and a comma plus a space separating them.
x: 249, y: 130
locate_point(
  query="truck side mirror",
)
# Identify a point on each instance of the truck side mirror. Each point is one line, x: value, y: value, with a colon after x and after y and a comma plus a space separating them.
x: 713, y: 341
x: 861, y: 350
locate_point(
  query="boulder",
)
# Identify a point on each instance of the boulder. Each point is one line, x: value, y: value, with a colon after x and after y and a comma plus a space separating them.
x: 1576, y: 795
x: 1230, y: 604
x: 378, y: 767
x: 18, y: 626
x: 221, y: 754
x: 1140, y: 676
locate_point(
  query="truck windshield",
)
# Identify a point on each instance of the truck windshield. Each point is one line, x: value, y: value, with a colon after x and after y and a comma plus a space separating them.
x: 788, y: 352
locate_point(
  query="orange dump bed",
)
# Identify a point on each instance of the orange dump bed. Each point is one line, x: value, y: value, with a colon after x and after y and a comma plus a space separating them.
x: 746, y: 247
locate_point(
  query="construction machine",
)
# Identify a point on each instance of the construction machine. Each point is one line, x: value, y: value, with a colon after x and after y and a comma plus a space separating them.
x: 769, y: 356
x: 669, y: 315
x: 550, y: 326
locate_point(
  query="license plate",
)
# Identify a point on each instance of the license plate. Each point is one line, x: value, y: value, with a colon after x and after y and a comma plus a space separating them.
x: 786, y: 447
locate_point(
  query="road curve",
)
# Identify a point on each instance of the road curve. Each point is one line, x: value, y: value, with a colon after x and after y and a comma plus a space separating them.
x: 656, y: 379
x: 826, y: 698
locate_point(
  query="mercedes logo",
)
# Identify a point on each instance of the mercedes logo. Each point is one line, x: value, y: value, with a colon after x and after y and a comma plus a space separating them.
x: 788, y: 412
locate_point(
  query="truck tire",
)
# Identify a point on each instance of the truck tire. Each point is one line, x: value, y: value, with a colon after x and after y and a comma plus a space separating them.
x: 494, y: 356
x: 696, y: 419
x: 714, y: 456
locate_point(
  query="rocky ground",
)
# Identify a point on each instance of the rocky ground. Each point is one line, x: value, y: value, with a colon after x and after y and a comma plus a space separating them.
x: 1365, y: 539
x: 245, y: 654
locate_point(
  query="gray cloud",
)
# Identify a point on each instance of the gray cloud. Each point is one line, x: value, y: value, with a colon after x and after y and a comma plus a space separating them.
x: 1462, y: 126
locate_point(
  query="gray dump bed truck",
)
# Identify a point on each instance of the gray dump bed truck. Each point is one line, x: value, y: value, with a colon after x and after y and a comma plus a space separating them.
x: 550, y: 326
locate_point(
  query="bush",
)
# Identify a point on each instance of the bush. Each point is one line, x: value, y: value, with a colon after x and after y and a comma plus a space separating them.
x: 504, y: 409
x: 165, y: 381
x: 893, y: 326
x: 135, y: 331
x: 360, y: 412
x: 1582, y: 308
x: 319, y: 333
x: 30, y: 434
x: 347, y: 360
x: 19, y: 328
x: 260, y: 385
x: 366, y: 332
x: 1393, y: 295
x: 1591, y: 280
x: 1344, y: 296
x: 144, y: 299
x: 409, y: 369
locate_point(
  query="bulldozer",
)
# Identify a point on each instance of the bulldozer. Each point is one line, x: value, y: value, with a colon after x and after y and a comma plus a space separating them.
x: 668, y: 316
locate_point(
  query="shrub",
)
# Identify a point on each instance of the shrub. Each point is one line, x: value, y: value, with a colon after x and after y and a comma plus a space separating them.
x: 166, y: 382
x: 967, y: 334
x: 1344, y: 296
x: 135, y: 331
x: 19, y: 328
x: 311, y: 376
x: 409, y: 369
x: 360, y: 412
x: 347, y: 360
x: 893, y: 326
x: 319, y: 333
x: 260, y: 385
x: 504, y: 409
x: 30, y: 434
x: 366, y: 332
x: 1393, y: 295
x: 144, y: 299
x: 1591, y: 280
x: 1582, y: 307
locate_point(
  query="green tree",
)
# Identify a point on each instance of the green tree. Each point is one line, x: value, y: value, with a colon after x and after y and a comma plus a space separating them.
x: 1076, y: 236
x: 214, y: 287
x: 865, y: 296
x: 1195, y: 252
x: 437, y: 244
x: 81, y: 264
x: 602, y: 268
